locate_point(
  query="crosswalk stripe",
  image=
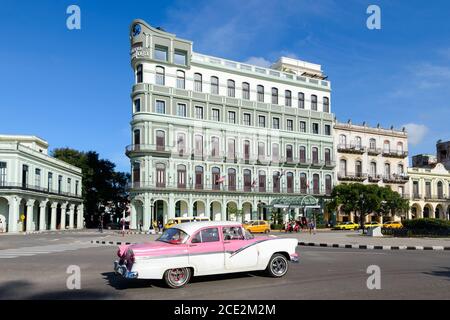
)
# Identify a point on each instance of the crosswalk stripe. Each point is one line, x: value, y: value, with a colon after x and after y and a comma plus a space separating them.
x: 32, y: 251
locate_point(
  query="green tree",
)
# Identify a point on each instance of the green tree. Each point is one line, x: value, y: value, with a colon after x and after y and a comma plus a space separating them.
x: 102, y: 185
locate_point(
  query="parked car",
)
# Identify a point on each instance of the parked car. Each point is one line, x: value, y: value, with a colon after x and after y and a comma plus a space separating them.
x: 346, y: 226
x: 393, y: 225
x: 172, y: 222
x: 257, y: 226
x: 372, y: 224
x: 205, y: 248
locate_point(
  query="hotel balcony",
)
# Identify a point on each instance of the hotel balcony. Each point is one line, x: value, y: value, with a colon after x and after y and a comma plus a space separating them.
x: 152, y: 149
x: 395, y: 178
x: 329, y: 164
x: 349, y: 176
x: 435, y: 197
x: 375, y: 177
x: 351, y: 148
x: 395, y: 154
x: 33, y: 188
x: 225, y: 188
x: 373, y: 151
x: 417, y: 196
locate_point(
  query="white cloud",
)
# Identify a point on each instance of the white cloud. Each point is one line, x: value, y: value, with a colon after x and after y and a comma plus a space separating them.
x: 416, y: 132
x: 258, y: 61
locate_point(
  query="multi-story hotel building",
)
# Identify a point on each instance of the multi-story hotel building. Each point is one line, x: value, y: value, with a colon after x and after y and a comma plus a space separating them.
x: 371, y: 155
x: 217, y: 138
x: 37, y: 191
x: 429, y: 186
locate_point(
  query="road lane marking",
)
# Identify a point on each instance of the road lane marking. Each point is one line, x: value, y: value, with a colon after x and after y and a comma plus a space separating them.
x: 31, y: 251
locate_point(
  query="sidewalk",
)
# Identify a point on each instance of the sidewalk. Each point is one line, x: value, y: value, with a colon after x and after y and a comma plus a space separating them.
x: 335, y: 239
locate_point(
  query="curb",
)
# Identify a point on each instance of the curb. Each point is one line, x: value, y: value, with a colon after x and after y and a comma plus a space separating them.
x: 373, y: 247
x: 323, y: 245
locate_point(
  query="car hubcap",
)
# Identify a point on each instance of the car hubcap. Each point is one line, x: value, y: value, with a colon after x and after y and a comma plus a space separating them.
x: 178, y: 276
x: 279, y: 266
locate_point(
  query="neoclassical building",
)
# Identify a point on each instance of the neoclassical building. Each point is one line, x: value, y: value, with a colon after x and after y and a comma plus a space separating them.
x: 429, y: 187
x: 214, y: 137
x: 37, y: 191
x: 371, y: 155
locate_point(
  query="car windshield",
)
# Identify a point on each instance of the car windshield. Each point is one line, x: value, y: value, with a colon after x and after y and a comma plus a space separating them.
x: 174, y: 236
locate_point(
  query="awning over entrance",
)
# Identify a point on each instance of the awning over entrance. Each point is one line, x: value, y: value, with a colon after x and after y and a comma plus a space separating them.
x: 295, y: 202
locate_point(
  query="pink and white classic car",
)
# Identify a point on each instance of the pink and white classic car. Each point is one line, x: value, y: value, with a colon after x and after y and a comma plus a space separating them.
x: 205, y: 248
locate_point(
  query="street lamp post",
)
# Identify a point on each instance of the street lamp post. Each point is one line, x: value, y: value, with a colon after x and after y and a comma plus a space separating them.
x: 151, y: 213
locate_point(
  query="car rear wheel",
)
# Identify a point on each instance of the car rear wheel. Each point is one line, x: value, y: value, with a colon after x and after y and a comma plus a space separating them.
x: 267, y: 231
x: 177, y: 278
x: 278, y: 266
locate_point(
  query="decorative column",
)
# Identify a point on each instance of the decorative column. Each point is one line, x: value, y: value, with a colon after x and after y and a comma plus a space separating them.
x: 147, y: 213
x: 223, y: 213
x: 63, y: 216
x: 42, y: 220
x: 53, y: 216
x: 14, y: 203
x: 133, y: 218
x: 30, y: 207
x: 171, y: 213
x: 71, y: 216
x: 80, y: 216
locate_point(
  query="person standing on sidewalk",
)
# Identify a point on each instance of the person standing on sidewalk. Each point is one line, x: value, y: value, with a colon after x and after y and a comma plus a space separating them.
x: 312, y: 227
x: 1, y: 226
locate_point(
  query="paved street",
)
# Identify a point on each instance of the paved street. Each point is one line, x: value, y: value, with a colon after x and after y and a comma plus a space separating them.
x: 324, y: 273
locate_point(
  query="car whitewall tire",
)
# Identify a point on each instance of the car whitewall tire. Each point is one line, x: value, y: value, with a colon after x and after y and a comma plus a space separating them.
x: 278, y: 266
x: 178, y: 277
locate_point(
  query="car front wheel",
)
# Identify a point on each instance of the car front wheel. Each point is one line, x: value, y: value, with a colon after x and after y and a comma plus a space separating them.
x: 177, y: 278
x: 278, y: 266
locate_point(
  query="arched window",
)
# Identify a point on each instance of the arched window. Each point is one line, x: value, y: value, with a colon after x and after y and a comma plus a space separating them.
x: 231, y: 179
x: 262, y: 180
x: 276, y: 182
x: 315, y: 155
x: 343, y: 168
x: 327, y: 156
x: 358, y: 143
x: 247, y: 180
x: 160, y: 175
x: 260, y: 93
x: 261, y: 150
x: 358, y: 168
x: 302, y: 154
x: 137, y: 139
x: 386, y: 146
x: 231, y: 88
x: 387, y: 170
x: 214, y: 147
x: 160, y: 76
x: 314, y: 102
x: 160, y: 140
x: 288, y: 98
x: 316, y: 184
x: 328, y: 185
x: 181, y: 79
x: 301, y: 100
x: 274, y: 96
x: 342, y: 141
x: 372, y: 144
x: 198, y: 177
x: 136, y: 175
x: 326, y: 104
x: 440, y: 190
x: 400, y: 148
x: 214, y: 85
x: 231, y: 149
x: 139, y: 74
x: 215, y: 178
x: 246, y: 150
x: 290, y: 182
x: 275, y: 152
x: 400, y: 169
x: 181, y: 144
x: 245, y: 91
x: 303, y: 184
x: 181, y: 176
x: 373, y: 169
x: 289, y: 154
x: 198, y: 82
x: 198, y: 149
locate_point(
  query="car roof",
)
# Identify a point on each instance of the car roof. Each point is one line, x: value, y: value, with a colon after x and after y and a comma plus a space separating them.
x: 191, y: 227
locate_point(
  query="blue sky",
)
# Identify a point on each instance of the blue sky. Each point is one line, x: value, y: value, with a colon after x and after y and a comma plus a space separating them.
x: 72, y: 87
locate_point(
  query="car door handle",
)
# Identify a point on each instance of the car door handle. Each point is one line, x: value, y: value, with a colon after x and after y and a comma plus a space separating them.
x: 226, y: 242
x: 192, y: 245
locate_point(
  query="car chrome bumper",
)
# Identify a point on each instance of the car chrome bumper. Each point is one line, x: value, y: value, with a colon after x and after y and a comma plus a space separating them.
x: 295, y: 258
x: 123, y: 271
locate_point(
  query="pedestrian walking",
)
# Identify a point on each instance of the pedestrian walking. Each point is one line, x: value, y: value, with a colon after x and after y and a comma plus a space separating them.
x: 100, y: 227
x: 160, y: 226
x: 312, y: 227
x: 140, y: 225
x: 1, y: 226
